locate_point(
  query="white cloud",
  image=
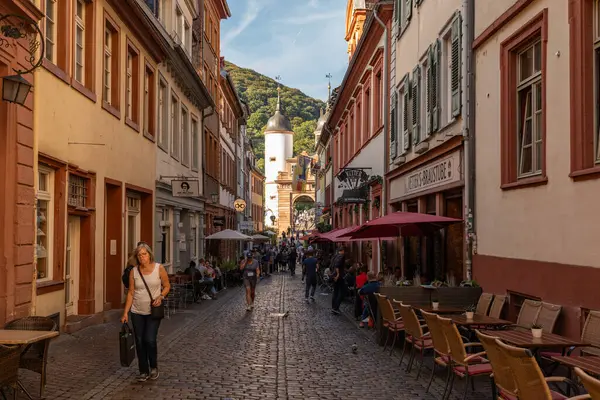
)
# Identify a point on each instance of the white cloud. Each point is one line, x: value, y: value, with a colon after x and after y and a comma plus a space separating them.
x: 253, y: 9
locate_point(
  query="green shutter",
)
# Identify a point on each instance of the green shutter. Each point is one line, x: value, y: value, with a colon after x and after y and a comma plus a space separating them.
x: 435, y: 88
x: 405, y: 119
x: 398, y: 10
x: 429, y: 94
x: 416, y: 99
x: 456, y: 69
x: 408, y: 10
x: 393, y: 127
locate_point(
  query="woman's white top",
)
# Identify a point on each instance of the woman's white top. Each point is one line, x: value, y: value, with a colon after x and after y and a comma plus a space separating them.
x: 141, y: 299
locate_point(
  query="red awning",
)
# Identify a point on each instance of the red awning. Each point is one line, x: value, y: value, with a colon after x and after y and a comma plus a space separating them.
x: 400, y: 224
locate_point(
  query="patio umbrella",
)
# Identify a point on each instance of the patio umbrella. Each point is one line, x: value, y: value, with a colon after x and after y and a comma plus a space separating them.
x: 259, y: 237
x: 400, y: 224
x: 228, y: 234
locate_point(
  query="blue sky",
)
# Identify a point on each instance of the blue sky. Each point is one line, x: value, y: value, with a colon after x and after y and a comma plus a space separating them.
x: 300, y: 40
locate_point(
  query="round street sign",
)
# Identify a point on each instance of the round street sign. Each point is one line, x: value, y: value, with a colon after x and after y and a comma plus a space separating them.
x: 239, y: 205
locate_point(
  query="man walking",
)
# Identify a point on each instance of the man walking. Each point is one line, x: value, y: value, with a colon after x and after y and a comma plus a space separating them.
x: 337, y: 265
x: 292, y: 260
x: 310, y: 268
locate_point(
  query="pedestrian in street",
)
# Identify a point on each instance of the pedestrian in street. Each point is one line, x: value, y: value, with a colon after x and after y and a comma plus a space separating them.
x: 292, y: 257
x: 337, y: 265
x: 148, y: 286
x: 369, y: 288
x: 251, y: 271
x: 310, y: 267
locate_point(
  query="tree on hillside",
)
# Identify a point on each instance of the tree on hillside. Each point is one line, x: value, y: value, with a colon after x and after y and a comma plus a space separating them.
x: 260, y: 93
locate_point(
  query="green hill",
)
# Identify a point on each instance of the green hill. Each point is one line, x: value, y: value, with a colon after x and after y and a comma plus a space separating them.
x: 260, y: 93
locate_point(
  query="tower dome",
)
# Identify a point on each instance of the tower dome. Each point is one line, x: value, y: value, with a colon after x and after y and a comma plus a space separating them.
x: 279, y: 122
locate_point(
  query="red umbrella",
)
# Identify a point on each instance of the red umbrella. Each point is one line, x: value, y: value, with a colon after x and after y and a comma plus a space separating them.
x: 314, y: 234
x: 335, y: 234
x: 400, y: 224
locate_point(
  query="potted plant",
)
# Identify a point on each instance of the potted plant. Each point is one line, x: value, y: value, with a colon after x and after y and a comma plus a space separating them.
x: 435, y: 303
x: 536, y: 331
x: 470, y: 312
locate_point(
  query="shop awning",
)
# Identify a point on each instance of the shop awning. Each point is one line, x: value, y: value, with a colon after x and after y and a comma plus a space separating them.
x: 400, y: 224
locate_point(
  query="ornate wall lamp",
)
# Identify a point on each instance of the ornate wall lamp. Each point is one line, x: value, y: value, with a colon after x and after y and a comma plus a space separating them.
x: 14, y: 29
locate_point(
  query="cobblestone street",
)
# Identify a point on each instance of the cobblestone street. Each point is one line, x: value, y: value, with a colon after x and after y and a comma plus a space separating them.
x: 217, y: 350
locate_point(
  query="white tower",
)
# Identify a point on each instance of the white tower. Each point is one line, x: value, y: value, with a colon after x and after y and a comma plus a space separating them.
x: 279, y: 146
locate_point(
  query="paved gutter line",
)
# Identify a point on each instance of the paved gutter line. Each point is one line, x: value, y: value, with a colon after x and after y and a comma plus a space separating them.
x: 281, y: 382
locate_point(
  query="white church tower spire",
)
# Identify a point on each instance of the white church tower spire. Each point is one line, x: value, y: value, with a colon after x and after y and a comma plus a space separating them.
x: 279, y: 146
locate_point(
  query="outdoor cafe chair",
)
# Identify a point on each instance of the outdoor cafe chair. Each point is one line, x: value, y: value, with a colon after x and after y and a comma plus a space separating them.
x: 591, y: 384
x: 441, y: 349
x: 414, y: 336
x: 484, y: 303
x: 9, y: 368
x: 503, y: 382
x: 529, y: 379
x: 529, y: 313
x: 497, y: 306
x: 392, y: 323
x: 462, y: 364
x: 35, y: 356
x: 547, y: 316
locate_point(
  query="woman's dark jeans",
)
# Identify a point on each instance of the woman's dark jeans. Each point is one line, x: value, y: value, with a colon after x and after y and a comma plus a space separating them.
x: 145, y: 329
x: 338, y: 296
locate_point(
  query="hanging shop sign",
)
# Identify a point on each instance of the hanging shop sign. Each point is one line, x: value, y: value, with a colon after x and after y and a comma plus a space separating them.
x: 185, y: 187
x: 239, y: 205
x: 353, y: 182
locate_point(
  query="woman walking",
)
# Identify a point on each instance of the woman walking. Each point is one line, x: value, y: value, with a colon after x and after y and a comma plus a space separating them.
x: 251, y: 270
x: 148, y: 286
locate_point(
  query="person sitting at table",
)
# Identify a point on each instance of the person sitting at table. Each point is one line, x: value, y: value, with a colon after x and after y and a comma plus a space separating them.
x: 372, y: 286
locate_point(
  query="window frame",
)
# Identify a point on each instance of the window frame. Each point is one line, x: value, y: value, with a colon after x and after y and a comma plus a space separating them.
x: 444, y: 64
x: 113, y: 104
x: 175, y: 118
x: 87, y: 87
x: 185, y: 136
x: 536, y: 28
x: 404, y: 122
x: 132, y: 86
x: 163, y: 114
x: 149, y: 102
x: 195, y: 159
x: 47, y: 196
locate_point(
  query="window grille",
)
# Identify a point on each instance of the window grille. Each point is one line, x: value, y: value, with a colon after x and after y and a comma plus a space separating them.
x: 77, y: 191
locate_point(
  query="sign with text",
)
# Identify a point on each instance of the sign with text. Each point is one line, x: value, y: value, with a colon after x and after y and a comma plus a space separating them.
x: 185, y: 187
x: 247, y: 225
x: 239, y: 205
x: 353, y: 182
x: 435, y: 174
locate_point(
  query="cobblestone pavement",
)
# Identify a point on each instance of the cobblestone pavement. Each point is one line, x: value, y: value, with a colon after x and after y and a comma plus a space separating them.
x: 217, y: 350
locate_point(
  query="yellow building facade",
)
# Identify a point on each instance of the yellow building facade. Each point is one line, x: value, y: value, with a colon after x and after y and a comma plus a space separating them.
x: 95, y: 125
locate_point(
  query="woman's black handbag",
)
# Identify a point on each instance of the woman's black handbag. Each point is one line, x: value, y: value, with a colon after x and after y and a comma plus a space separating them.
x: 126, y: 346
x: 156, y: 312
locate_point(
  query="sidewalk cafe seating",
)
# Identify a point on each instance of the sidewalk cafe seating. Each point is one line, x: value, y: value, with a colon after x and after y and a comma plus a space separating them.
x: 463, y: 365
x: 415, y: 336
x: 547, y: 316
x: 484, y: 303
x: 497, y: 306
x: 529, y: 313
x: 590, y: 334
x: 35, y: 356
x: 503, y: 385
x: 9, y: 368
x: 529, y: 379
x: 592, y: 385
x: 391, y: 321
x: 440, y: 348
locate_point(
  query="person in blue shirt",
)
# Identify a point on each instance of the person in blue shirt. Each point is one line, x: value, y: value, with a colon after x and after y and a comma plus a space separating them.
x: 372, y: 286
x: 310, y: 266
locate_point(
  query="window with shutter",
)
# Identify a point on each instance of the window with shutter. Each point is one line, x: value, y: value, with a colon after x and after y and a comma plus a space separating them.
x: 456, y: 67
x: 416, y: 88
x: 408, y: 11
x: 405, y: 114
x: 393, y: 123
x: 399, y: 12
x: 435, y: 78
x: 429, y: 91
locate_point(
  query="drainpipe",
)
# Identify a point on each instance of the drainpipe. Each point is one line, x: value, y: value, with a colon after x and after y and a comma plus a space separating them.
x: 36, y: 105
x: 386, y: 104
x: 468, y: 112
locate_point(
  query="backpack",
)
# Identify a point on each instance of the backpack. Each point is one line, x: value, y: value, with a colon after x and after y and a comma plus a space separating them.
x: 125, y: 277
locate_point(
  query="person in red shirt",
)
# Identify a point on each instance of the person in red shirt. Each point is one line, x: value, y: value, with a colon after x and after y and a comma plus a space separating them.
x: 361, y: 280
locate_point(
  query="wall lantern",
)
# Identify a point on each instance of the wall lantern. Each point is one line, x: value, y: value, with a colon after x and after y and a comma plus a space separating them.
x: 15, y: 89
x: 15, y: 31
x: 273, y: 219
x: 215, y: 198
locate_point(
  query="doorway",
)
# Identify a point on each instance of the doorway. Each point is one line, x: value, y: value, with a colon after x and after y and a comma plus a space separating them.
x: 113, y: 244
x: 72, y: 265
